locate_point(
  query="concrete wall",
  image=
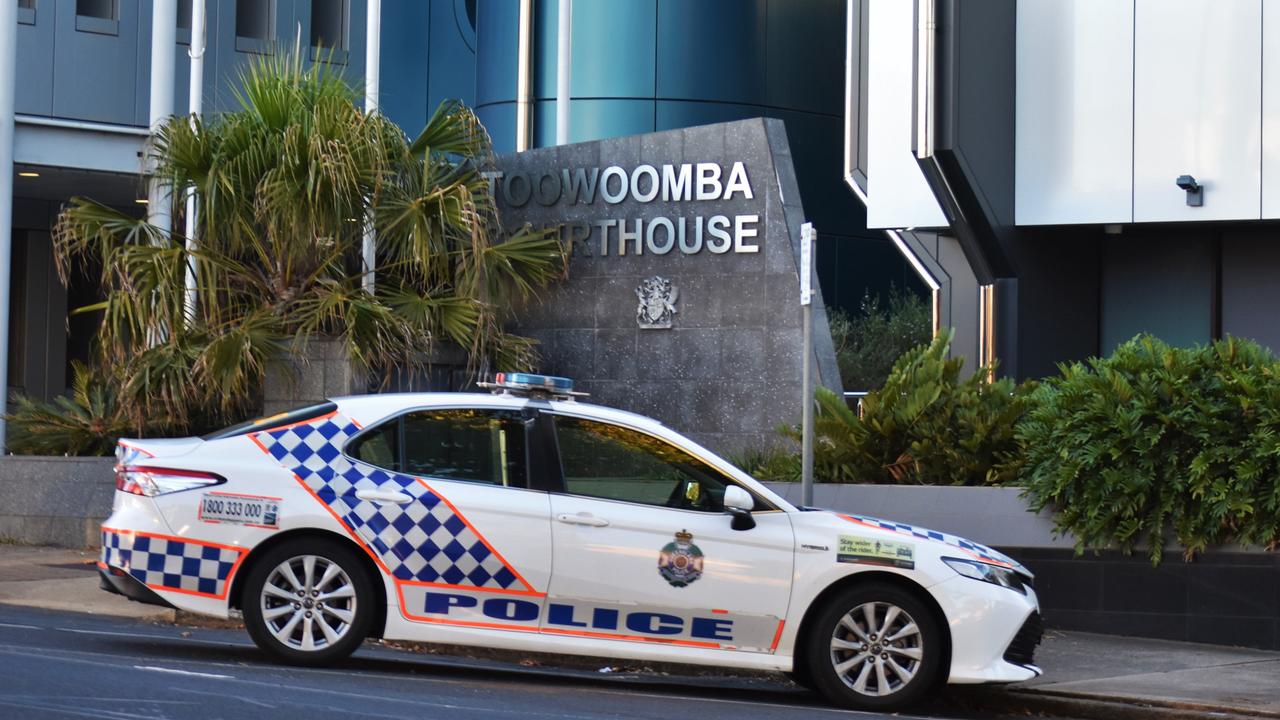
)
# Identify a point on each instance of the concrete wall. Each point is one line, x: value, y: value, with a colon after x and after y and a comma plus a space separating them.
x: 995, y: 516
x: 324, y: 371
x: 54, y: 500
x: 727, y: 371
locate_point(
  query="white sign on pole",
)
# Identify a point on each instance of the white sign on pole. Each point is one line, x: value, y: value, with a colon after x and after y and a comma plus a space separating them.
x: 806, y: 262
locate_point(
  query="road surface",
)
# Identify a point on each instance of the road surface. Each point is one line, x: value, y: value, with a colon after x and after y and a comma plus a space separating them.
x: 68, y: 665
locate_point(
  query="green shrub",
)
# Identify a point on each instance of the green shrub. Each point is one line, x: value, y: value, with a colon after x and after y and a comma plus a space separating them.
x: 1156, y: 442
x: 926, y: 426
x: 768, y: 464
x: 868, y: 343
x: 87, y: 423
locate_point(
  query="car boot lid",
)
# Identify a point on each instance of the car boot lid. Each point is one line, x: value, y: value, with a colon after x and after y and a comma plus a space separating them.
x: 134, y: 450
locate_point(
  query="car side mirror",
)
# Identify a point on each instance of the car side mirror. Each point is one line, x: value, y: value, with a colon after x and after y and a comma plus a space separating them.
x: 739, y: 503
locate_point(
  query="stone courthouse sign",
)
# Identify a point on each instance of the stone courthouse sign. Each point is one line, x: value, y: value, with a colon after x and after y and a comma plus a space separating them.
x: 673, y: 186
x: 681, y: 296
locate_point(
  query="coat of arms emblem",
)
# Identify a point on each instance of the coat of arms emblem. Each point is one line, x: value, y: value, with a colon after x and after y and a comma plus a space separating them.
x: 658, y: 299
x: 680, y: 562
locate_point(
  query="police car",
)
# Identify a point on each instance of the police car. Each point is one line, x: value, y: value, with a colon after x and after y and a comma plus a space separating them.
x: 529, y: 520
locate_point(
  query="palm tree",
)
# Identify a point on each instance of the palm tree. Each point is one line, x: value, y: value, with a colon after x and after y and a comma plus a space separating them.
x: 283, y: 188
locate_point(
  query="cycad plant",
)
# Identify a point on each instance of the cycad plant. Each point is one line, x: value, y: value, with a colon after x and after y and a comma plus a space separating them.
x: 926, y: 426
x: 284, y: 187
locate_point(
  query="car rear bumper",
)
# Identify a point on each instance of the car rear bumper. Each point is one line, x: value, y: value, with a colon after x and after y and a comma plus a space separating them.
x: 114, y: 580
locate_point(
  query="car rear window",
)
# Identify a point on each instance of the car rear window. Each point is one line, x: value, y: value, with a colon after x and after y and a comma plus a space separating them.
x: 269, y: 422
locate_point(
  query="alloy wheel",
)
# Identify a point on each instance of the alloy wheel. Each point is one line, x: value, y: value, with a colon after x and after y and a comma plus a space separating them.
x: 876, y: 649
x: 308, y: 603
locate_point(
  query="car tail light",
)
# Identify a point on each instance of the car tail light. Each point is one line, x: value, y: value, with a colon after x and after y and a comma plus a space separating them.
x: 152, y: 481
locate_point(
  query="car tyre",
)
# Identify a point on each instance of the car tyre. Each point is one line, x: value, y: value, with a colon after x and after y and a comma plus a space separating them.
x: 850, y: 662
x: 309, y: 602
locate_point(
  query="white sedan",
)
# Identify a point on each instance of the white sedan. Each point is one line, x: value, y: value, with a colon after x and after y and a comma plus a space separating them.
x: 529, y: 521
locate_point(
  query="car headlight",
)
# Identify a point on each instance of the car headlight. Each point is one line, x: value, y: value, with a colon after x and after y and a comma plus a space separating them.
x: 994, y: 574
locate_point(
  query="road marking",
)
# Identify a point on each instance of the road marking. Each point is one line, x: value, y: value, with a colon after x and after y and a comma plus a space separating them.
x: 175, y: 671
x: 223, y: 696
x: 69, y: 710
x: 16, y: 625
x: 412, y: 675
x: 143, y: 636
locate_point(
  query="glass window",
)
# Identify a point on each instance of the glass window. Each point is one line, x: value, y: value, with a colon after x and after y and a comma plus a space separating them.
x: 471, y: 445
x: 184, y: 14
x: 329, y: 24
x: 253, y: 19
x: 617, y: 463
x: 484, y: 446
x: 102, y: 9
x: 380, y: 446
x: 27, y: 12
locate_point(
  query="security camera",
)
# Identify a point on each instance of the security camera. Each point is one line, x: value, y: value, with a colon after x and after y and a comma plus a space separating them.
x: 1195, y: 191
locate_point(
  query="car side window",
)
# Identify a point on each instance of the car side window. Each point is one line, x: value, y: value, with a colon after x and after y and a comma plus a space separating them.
x: 468, y: 445
x: 379, y: 446
x: 616, y: 463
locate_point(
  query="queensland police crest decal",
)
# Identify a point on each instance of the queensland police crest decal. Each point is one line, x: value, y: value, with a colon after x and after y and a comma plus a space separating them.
x: 680, y: 562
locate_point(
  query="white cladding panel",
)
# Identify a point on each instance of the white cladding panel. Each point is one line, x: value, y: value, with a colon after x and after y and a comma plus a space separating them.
x: 1197, y: 108
x: 897, y: 194
x: 1074, y: 143
x: 1271, y: 108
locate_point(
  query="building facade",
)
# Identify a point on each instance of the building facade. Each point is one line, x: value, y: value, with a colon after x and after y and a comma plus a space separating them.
x: 84, y: 100
x: 1071, y: 174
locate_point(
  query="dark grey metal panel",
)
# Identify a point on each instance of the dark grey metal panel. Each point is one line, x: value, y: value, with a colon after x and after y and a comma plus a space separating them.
x: 960, y: 303
x: 800, y: 34
x: 44, y: 339
x: 970, y: 165
x: 1058, y: 296
x: 1250, y: 292
x: 33, y: 94
x: 94, y: 76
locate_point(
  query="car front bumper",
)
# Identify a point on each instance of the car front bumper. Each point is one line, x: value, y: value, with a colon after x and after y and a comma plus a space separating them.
x: 990, y: 627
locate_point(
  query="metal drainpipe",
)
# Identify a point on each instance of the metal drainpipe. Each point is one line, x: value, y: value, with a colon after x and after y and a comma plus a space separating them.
x: 164, y: 36
x: 524, y: 79
x: 372, y: 78
x: 564, y: 68
x: 8, y: 61
x: 195, y: 105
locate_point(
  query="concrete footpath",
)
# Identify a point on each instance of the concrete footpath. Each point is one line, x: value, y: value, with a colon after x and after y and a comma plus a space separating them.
x: 1086, y: 675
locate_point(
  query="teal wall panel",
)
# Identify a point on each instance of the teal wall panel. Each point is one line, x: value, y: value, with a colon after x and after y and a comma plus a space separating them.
x: 497, y: 45
x: 406, y: 45
x: 500, y: 120
x: 712, y: 50
x: 1163, y: 285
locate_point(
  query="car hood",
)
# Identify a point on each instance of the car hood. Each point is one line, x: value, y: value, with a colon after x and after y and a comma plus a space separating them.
x: 950, y: 544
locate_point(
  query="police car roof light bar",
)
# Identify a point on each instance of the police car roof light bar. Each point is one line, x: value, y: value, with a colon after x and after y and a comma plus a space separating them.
x: 532, y: 385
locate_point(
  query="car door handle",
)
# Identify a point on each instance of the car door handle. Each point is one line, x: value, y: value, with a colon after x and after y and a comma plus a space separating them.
x: 582, y: 519
x: 384, y: 496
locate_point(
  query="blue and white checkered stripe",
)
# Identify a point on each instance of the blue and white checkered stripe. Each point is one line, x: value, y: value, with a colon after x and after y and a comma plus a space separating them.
x: 166, y: 563
x: 982, y: 551
x: 422, y: 541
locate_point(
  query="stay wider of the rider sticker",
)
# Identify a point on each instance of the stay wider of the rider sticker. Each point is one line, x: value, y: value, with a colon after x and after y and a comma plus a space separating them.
x: 873, y: 551
x: 251, y: 510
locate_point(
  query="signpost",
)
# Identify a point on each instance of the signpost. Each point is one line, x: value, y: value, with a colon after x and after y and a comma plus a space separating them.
x: 807, y: 234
